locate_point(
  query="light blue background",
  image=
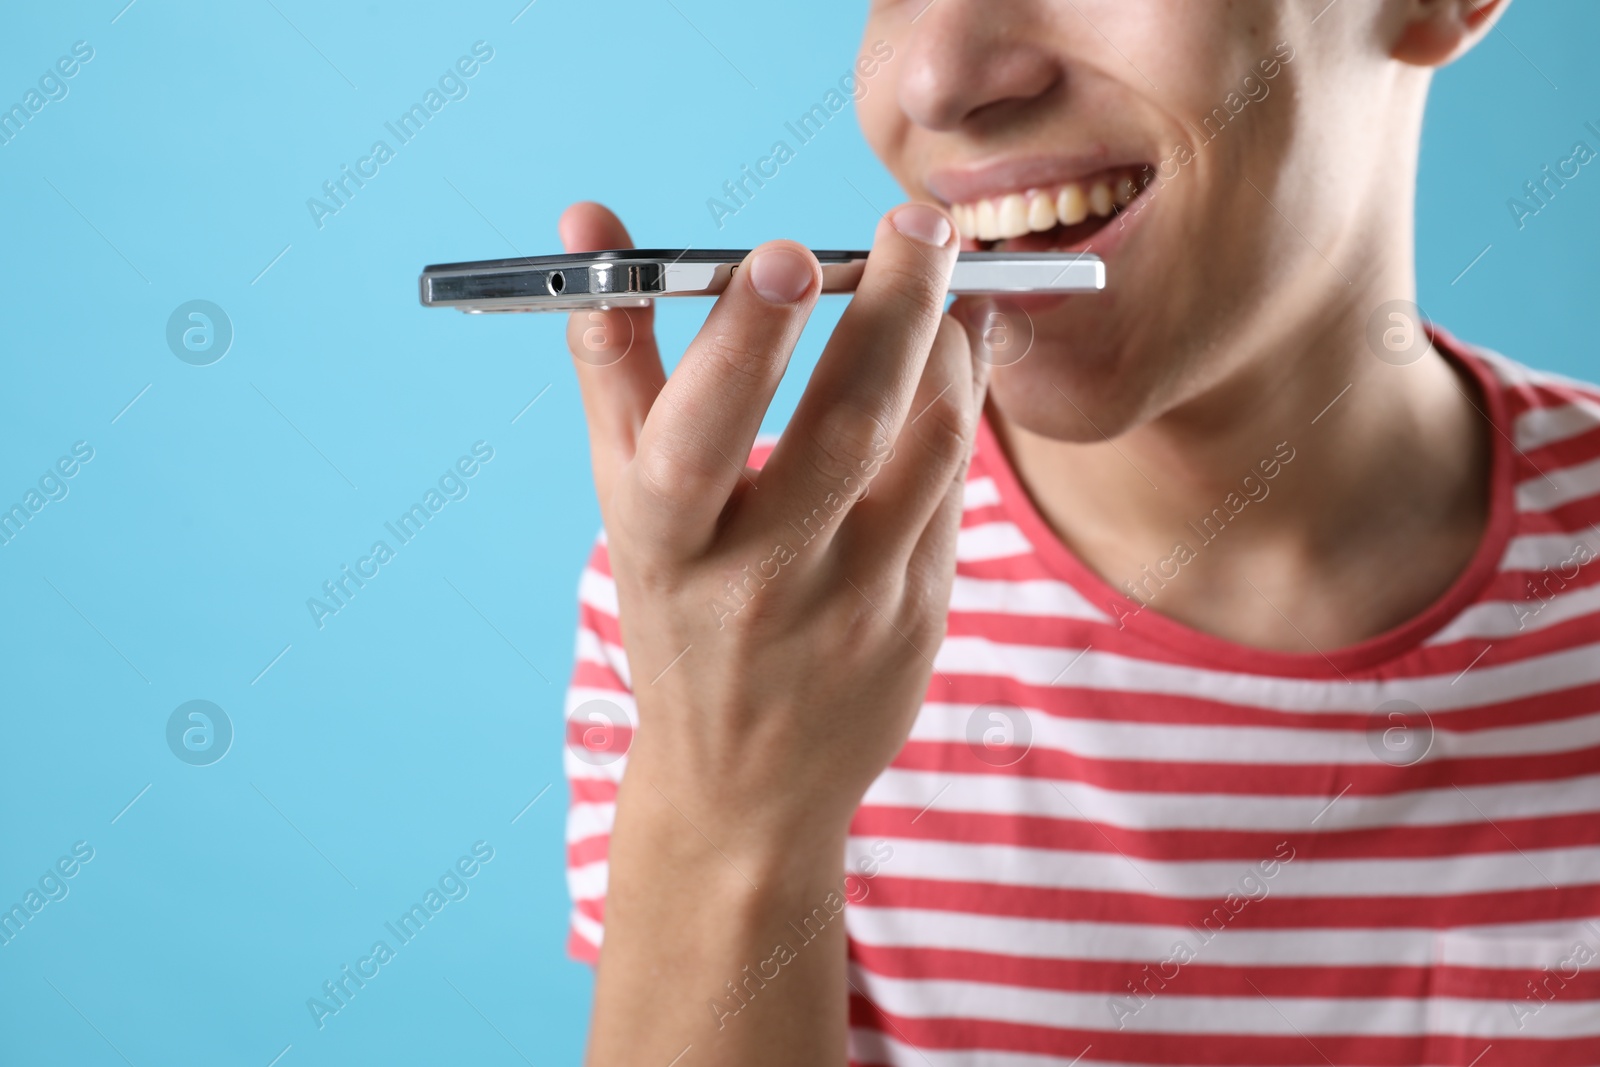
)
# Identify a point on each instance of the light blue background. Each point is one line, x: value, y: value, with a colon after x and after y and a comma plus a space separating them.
x: 425, y: 715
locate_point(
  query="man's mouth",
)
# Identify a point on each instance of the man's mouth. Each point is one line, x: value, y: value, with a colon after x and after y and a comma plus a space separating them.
x: 1061, y: 216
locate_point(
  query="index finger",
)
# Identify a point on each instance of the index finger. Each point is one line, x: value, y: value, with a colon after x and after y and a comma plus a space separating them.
x: 692, y: 450
x: 858, y: 397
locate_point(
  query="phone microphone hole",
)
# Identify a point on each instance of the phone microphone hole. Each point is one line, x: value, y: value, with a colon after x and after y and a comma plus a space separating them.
x: 555, y: 281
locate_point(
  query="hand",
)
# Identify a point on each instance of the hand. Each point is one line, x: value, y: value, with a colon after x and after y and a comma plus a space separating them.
x: 780, y: 624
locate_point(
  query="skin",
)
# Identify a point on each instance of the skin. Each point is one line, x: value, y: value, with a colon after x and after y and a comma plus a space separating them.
x: 1385, y: 502
x: 761, y: 728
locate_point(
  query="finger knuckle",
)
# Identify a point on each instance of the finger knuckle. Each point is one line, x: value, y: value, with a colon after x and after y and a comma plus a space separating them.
x: 943, y: 430
x: 645, y: 575
x: 926, y: 630
x: 924, y: 605
x: 749, y: 363
x: 848, y: 444
x: 749, y: 605
x: 666, y: 476
x: 914, y: 283
x: 634, y: 523
x: 856, y: 618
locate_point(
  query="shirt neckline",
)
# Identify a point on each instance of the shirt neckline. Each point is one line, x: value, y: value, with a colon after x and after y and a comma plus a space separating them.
x: 1200, y: 647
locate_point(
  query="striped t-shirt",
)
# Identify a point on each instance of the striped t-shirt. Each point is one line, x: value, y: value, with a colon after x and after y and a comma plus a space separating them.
x: 1112, y: 839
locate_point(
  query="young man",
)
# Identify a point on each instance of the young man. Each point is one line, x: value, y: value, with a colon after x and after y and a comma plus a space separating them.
x: 1218, y: 682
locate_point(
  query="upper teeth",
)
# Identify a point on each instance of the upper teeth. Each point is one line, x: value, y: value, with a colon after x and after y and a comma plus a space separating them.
x: 1037, y: 210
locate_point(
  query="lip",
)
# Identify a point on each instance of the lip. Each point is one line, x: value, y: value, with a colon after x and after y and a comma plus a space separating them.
x: 1103, y: 243
x: 1014, y: 174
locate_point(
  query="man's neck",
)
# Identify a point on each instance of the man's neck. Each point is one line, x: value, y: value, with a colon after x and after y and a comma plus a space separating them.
x: 1379, y: 506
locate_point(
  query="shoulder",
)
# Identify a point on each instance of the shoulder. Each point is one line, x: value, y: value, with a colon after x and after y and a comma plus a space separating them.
x: 1541, y: 408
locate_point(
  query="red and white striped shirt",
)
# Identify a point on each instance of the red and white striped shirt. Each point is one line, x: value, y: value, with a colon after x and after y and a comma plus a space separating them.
x: 1114, y: 840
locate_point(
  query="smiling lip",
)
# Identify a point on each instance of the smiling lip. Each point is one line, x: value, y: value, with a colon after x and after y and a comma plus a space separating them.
x: 996, y: 178
x: 1095, y: 205
x: 1103, y: 241
x: 1039, y: 202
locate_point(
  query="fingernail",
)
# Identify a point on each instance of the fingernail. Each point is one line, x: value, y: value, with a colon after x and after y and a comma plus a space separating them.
x: 922, y: 223
x: 780, y: 275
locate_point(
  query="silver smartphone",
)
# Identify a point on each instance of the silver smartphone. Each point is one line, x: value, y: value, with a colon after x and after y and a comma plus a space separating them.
x: 634, y: 277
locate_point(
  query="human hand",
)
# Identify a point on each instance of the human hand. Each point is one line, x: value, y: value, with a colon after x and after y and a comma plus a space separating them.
x: 780, y: 624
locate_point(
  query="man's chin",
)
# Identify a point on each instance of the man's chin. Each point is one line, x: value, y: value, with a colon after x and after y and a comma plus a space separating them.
x: 969, y: 308
x: 1040, y: 397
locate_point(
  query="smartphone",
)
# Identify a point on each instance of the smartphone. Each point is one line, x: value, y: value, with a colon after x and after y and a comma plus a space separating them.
x: 634, y: 277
